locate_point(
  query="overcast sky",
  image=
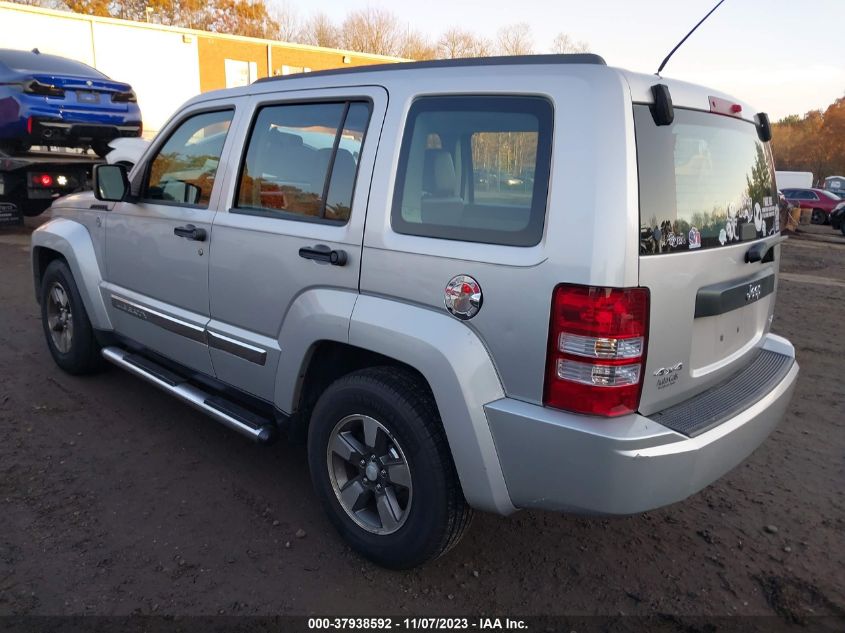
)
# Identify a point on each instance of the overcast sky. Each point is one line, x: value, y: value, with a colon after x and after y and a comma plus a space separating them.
x: 782, y: 56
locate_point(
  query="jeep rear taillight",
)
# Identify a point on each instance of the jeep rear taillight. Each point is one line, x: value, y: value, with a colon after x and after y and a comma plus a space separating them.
x: 597, y: 345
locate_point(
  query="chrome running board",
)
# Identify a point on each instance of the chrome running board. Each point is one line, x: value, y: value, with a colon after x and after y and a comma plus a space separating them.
x: 228, y: 413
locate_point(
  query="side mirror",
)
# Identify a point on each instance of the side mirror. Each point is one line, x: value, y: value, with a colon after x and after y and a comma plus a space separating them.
x: 192, y: 193
x: 111, y: 184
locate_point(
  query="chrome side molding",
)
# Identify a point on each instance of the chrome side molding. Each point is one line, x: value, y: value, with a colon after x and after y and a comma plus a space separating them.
x: 172, y: 324
x: 243, y: 350
x: 203, y: 335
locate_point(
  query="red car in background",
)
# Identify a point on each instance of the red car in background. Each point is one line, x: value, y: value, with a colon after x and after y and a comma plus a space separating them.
x: 820, y: 201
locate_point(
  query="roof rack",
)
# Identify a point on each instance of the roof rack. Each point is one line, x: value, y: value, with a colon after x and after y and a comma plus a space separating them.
x: 508, y: 60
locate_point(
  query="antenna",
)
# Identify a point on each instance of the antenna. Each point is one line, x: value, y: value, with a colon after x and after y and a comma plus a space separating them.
x: 678, y: 45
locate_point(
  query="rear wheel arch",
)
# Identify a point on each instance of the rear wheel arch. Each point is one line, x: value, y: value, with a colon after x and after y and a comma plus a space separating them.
x: 327, y: 361
x: 456, y: 368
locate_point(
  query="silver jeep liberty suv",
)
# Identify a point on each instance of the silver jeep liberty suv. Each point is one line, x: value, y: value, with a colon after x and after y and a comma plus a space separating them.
x: 525, y: 282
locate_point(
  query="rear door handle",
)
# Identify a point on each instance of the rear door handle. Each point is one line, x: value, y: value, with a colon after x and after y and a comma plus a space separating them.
x: 189, y: 231
x: 323, y: 253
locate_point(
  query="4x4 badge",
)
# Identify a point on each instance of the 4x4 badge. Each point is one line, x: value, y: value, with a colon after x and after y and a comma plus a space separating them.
x: 665, y: 371
x: 463, y: 297
x: 754, y: 292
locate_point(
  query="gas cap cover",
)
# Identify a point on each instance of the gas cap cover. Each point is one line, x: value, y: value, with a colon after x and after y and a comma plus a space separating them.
x: 463, y: 297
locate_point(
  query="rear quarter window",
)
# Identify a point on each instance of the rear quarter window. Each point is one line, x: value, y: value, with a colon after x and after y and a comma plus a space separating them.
x: 475, y: 169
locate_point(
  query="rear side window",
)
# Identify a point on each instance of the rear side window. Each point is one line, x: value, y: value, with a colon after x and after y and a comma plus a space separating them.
x: 475, y: 169
x: 706, y: 181
x: 302, y: 160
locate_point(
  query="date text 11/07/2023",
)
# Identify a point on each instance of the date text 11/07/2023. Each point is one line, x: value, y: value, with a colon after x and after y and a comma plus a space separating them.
x: 418, y: 623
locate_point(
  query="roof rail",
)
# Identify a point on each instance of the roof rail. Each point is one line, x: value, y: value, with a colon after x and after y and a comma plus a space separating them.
x: 508, y: 60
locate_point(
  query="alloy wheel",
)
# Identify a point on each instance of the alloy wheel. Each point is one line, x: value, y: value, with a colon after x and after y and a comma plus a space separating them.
x: 369, y: 474
x: 60, y: 317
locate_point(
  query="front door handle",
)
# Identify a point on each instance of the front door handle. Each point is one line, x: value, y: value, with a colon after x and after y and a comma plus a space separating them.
x: 323, y: 253
x: 189, y: 231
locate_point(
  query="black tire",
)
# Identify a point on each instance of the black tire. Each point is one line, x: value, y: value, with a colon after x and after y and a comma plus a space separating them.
x: 842, y: 227
x: 818, y: 217
x: 437, y: 514
x: 83, y: 353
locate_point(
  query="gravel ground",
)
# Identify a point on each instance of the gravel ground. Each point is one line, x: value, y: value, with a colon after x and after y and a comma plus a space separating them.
x: 116, y: 499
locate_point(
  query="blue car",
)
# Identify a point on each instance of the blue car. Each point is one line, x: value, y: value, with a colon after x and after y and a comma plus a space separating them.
x: 50, y: 100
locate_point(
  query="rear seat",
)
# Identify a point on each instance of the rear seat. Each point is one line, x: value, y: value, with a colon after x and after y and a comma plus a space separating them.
x: 439, y: 204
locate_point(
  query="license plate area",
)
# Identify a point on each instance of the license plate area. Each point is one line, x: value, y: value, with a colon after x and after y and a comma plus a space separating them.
x: 86, y: 96
x: 721, y: 339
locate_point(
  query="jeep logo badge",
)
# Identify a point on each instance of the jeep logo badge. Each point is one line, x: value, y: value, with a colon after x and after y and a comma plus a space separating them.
x: 463, y: 297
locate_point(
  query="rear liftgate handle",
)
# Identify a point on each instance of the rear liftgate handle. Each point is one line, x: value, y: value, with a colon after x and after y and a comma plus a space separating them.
x: 323, y: 253
x: 758, y: 252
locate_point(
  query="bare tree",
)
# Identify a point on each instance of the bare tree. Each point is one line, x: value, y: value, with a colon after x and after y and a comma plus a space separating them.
x: 456, y: 43
x: 563, y: 43
x: 291, y: 28
x: 372, y: 30
x: 319, y: 30
x: 515, y: 39
x: 415, y: 45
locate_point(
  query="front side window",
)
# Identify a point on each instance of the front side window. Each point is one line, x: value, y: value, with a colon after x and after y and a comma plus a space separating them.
x: 302, y: 160
x: 475, y: 168
x: 184, y: 169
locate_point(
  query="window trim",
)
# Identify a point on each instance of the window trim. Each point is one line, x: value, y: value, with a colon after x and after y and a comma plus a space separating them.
x: 148, y: 164
x: 282, y: 214
x: 532, y: 234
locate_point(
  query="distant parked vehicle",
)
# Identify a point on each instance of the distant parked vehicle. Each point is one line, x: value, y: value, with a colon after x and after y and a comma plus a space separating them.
x: 50, y: 100
x: 820, y: 201
x: 126, y: 151
x: 837, y: 218
x: 794, y: 179
x: 835, y: 184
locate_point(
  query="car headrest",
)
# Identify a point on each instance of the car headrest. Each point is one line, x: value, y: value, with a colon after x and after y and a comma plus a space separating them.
x: 439, y: 173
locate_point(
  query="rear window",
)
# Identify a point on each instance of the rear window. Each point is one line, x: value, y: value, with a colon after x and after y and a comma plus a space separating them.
x: 706, y: 181
x: 475, y: 169
x: 28, y: 62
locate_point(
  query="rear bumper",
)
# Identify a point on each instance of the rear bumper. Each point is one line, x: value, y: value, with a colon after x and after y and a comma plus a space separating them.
x: 44, y: 130
x: 555, y: 460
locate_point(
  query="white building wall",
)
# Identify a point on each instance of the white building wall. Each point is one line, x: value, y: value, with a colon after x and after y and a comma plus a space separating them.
x: 53, y: 35
x: 162, y: 68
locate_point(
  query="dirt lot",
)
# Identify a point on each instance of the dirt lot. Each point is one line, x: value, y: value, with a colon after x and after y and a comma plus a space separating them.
x: 116, y: 499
